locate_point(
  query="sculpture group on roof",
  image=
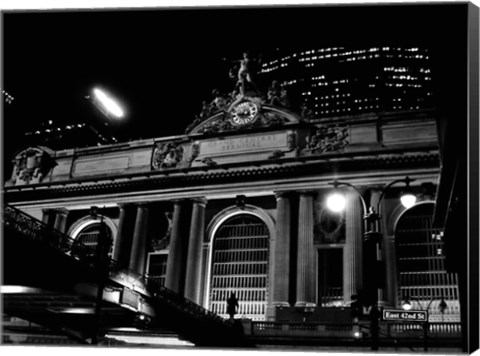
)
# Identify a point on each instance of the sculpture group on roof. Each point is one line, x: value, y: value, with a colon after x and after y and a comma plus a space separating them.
x: 242, y: 72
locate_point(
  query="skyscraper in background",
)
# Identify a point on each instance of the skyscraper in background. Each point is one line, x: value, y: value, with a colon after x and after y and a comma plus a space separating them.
x: 337, y: 81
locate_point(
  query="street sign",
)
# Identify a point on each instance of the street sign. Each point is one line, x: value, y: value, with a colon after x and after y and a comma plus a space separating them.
x: 402, y: 315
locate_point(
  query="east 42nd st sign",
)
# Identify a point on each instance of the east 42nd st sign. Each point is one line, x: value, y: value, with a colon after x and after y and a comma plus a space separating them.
x: 402, y: 315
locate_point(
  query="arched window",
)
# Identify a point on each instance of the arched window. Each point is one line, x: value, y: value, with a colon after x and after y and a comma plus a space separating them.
x: 87, y: 230
x: 88, y: 236
x: 239, y: 264
x: 421, y: 264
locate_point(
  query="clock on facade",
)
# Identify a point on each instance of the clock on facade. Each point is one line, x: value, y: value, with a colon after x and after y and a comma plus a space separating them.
x: 244, y: 113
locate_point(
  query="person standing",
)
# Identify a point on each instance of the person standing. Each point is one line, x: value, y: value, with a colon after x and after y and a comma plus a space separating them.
x: 232, y: 305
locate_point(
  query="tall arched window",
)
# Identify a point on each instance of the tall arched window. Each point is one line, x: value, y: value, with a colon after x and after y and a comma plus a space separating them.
x: 86, y: 231
x: 421, y: 264
x: 239, y: 264
x: 89, y: 236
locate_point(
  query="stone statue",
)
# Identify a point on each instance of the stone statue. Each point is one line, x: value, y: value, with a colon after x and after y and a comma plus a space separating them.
x: 245, y: 73
x: 276, y: 95
x: 219, y: 102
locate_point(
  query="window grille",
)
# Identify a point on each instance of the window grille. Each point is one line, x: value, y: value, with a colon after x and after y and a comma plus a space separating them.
x: 330, y: 276
x: 240, y: 265
x: 421, y: 265
x: 89, y: 236
x: 157, y: 268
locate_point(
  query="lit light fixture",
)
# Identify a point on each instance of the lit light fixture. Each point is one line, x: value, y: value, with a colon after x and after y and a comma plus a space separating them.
x: 107, y: 103
x: 14, y: 289
x: 406, y: 305
x: 408, y: 199
x: 336, y: 202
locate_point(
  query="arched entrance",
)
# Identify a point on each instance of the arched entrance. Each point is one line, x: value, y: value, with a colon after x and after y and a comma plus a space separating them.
x: 239, y: 264
x: 421, y: 264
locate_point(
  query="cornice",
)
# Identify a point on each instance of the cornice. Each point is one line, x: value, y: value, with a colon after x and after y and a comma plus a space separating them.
x: 273, y: 173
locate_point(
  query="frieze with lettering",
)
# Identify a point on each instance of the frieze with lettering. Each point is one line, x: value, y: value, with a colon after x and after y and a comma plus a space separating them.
x: 244, y: 144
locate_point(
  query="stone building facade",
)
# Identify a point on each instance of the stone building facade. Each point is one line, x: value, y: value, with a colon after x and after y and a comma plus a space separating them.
x: 237, y: 204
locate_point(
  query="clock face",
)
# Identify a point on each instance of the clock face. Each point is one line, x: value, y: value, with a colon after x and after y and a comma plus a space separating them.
x: 244, y: 113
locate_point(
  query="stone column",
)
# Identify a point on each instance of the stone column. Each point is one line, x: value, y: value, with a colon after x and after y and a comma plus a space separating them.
x: 352, y: 252
x: 139, y: 244
x: 193, y: 277
x: 281, y: 252
x: 60, y: 220
x: 305, y: 252
x: 176, y: 253
x: 123, y: 241
x: 48, y: 217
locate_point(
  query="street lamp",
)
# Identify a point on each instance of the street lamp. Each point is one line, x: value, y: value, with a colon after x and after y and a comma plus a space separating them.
x: 372, y: 237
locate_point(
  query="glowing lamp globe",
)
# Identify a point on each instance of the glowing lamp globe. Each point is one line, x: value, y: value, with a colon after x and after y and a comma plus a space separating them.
x: 336, y: 202
x: 408, y: 200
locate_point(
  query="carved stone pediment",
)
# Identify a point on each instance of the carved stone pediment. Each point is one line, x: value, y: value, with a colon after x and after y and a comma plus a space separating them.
x: 30, y: 166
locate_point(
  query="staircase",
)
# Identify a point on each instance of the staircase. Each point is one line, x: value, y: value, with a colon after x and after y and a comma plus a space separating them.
x: 187, y: 319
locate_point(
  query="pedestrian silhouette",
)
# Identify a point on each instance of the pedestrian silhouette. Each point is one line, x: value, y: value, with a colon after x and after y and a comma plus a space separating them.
x: 232, y: 305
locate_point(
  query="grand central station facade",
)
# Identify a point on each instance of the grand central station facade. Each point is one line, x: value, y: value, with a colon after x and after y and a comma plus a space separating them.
x: 238, y: 204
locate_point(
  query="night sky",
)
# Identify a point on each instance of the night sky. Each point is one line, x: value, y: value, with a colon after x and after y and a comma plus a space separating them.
x: 162, y: 63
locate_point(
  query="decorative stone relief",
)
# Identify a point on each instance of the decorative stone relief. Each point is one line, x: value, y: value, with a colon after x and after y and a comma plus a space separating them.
x: 329, y: 227
x: 208, y: 161
x: 327, y: 139
x: 276, y: 154
x: 167, y: 155
x: 31, y: 166
x: 163, y: 242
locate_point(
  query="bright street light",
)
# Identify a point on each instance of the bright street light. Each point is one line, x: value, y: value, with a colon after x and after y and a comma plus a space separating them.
x: 408, y: 200
x: 406, y: 305
x: 336, y: 202
x: 108, y: 105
